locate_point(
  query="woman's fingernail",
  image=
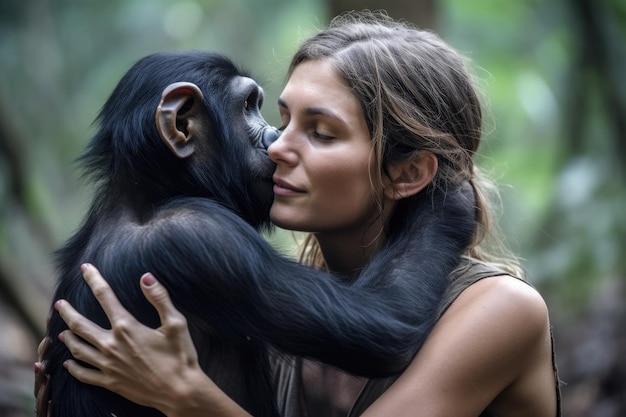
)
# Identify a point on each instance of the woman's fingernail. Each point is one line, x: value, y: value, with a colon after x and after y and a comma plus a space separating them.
x: 61, y: 337
x: 148, y: 279
x: 84, y: 267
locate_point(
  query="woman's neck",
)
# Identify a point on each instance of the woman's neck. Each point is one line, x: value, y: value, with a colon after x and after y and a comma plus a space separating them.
x: 346, y: 255
x: 347, y: 251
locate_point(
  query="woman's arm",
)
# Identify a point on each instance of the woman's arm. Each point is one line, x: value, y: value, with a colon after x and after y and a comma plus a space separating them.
x: 153, y: 367
x: 490, y: 349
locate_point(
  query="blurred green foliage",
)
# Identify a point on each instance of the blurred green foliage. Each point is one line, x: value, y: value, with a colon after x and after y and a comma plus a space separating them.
x: 551, y: 72
x: 61, y: 59
x: 556, y: 133
x: 563, y: 211
x: 552, y: 138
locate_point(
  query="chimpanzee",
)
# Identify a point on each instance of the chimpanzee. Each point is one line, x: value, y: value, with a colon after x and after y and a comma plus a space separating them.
x: 182, y: 187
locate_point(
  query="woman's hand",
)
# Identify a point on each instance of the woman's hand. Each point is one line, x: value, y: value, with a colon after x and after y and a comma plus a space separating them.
x: 153, y: 367
x: 42, y: 391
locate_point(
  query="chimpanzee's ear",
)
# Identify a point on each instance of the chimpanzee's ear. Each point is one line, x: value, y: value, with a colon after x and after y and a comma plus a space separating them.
x: 180, y: 119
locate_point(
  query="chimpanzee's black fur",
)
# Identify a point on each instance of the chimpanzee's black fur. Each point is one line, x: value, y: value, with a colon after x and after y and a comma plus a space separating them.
x: 194, y: 223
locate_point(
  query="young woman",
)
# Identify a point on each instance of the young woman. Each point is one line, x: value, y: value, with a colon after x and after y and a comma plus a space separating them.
x: 374, y: 111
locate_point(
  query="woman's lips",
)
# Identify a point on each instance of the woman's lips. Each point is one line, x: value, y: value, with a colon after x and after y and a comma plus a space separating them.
x: 283, y: 188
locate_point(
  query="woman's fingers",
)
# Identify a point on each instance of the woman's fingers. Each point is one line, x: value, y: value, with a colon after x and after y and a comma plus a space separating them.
x: 41, y: 387
x: 134, y: 360
x: 82, y: 351
x: 41, y: 349
x: 103, y: 293
x: 41, y: 384
x: 158, y: 296
x: 86, y: 375
x: 173, y: 322
x: 42, y: 401
x: 79, y: 324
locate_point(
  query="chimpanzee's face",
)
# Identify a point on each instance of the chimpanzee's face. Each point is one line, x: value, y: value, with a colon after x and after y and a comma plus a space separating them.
x: 246, y: 100
x: 188, y: 123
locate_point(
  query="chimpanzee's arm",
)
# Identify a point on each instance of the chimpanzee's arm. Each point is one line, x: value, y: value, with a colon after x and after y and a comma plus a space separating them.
x: 220, y: 270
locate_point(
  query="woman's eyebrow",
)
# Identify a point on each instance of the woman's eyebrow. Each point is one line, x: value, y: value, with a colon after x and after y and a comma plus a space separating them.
x: 314, y: 111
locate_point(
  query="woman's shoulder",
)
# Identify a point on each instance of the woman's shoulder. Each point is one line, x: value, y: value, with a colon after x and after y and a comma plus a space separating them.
x: 502, y: 310
x: 493, y: 335
x: 483, y: 286
x: 482, y: 278
x: 496, y: 332
x: 503, y: 296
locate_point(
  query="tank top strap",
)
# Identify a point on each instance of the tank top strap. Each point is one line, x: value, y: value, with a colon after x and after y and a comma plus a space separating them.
x: 288, y: 369
x: 467, y: 273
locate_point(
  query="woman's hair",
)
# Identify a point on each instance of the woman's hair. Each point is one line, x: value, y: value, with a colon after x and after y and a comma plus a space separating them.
x: 417, y: 94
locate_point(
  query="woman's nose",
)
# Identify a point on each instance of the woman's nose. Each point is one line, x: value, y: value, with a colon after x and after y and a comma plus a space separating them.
x: 281, y: 150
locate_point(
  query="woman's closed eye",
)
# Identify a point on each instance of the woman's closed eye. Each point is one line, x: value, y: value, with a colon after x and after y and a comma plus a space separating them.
x: 322, y: 136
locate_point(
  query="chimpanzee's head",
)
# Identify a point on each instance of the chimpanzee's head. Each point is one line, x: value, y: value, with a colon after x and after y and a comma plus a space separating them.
x: 187, y: 123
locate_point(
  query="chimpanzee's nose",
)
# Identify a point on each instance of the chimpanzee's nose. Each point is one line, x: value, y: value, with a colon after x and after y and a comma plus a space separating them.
x: 270, y: 134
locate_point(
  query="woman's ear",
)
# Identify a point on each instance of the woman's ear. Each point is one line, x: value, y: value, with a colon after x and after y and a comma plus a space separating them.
x: 408, y: 178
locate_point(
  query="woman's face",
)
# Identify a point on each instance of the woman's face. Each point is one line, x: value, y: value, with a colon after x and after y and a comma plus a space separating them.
x: 322, y: 157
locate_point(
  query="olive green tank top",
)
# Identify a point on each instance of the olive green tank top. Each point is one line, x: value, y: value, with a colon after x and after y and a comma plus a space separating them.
x: 288, y: 370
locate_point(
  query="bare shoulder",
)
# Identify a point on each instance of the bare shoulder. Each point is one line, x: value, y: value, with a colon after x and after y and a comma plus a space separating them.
x: 504, y: 289
x: 499, y: 320
x: 507, y: 310
x: 490, y: 349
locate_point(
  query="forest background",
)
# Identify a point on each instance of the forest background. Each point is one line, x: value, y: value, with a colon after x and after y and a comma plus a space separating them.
x: 553, y: 73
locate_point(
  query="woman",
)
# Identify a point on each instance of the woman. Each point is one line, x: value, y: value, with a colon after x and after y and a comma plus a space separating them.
x: 374, y: 111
